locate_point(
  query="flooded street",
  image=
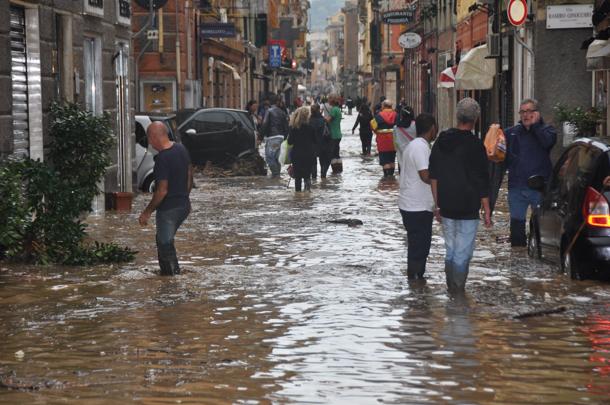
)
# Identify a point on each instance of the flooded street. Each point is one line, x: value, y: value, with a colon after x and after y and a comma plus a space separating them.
x: 278, y: 305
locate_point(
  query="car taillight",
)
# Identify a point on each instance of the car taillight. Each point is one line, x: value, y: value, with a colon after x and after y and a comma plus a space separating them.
x: 596, y: 209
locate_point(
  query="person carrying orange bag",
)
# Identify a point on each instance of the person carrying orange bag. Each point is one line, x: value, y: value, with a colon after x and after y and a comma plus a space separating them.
x: 383, y: 126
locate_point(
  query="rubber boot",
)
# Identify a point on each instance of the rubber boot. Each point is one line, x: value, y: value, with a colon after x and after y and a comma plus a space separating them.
x: 386, y: 172
x: 517, y: 233
x: 307, y: 184
x: 391, y: 171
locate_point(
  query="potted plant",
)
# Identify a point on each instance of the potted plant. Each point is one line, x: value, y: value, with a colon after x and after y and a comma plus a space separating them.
x: 578, y: 121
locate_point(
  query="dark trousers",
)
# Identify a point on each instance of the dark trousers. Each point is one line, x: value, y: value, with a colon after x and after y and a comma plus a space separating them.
x: 335, y: 148
x: 419, y: 233
x: 366, y: 138
x: 298, y: 183
x: 324, y: 165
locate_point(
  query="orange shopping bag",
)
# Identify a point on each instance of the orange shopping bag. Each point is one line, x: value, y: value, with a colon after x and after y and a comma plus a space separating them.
x: 495, y: 144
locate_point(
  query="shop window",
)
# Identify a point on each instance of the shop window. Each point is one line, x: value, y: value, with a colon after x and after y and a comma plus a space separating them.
x: 157, y: 95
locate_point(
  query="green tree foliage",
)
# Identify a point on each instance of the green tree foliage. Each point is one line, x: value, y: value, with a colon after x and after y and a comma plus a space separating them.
x: 41, y: 203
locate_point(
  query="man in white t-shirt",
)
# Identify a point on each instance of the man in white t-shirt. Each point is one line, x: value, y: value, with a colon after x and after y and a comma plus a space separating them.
x: 415, y: 200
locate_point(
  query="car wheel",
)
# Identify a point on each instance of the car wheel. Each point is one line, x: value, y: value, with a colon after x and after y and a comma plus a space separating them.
x: 533, y: 240
x: 572, y: 266
x: 149, y: 184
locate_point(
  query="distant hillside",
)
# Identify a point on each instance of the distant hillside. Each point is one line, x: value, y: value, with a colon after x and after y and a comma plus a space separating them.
x: 320, y: 10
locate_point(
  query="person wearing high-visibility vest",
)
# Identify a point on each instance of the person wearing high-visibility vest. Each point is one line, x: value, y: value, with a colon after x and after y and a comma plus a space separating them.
x: 383, y: 126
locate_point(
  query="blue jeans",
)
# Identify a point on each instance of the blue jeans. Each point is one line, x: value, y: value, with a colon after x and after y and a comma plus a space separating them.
x: 519, y: 199
x: 168, y: 222
x: 272, y: 153
x: 460, y: 235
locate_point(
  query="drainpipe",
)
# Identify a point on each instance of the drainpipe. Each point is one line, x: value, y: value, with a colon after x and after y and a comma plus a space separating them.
x: 531, y: 52
x: 189, y: 41
x: 161, y: 35
x: 178, y: 57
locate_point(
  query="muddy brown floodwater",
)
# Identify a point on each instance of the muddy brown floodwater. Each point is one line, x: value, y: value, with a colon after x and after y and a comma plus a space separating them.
x: 278, y: 305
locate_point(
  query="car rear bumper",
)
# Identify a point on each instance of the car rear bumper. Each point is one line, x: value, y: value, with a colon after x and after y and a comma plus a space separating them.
x: 598, y: 250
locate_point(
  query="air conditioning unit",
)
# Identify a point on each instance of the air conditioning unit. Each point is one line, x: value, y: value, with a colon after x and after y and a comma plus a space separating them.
x: 494, y: 45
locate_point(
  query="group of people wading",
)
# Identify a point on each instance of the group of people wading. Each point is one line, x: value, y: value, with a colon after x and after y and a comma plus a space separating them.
x: 448, y: 180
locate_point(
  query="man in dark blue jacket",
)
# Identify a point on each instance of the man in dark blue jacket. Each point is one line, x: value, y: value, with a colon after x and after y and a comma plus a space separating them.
x: 529, y: 145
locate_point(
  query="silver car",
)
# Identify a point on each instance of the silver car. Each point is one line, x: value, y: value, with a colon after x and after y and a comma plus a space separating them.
x: 145, y: 154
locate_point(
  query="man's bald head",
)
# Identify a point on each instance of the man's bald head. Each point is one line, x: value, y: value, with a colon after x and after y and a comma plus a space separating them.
x: 157, y: 134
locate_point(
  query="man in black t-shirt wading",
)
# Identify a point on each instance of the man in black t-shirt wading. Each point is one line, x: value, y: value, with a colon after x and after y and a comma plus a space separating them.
x: 174, y: 180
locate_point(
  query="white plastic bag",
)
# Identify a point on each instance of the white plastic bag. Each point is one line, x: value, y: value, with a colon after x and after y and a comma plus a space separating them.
x: 285, y: 153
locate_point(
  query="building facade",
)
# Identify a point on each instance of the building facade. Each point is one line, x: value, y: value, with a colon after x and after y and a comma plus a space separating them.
x: 77, y: 51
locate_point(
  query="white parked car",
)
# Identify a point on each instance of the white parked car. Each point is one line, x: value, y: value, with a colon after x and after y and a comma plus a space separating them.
x: 145, y: 153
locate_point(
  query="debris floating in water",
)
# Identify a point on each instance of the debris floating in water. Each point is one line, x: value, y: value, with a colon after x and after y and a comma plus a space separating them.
x: 347, y: 221
x: 540, y: 313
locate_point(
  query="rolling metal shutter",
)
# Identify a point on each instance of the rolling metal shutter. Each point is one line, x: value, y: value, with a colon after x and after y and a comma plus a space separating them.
x: 19, y: 83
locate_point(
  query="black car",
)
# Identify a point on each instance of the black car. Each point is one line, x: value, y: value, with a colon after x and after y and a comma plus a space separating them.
x: 572, y: 225
x: 218, y: 135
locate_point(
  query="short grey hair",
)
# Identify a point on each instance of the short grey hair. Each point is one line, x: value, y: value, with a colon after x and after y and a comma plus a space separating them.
x: 468, y: 110
x: 531, y: 101
x: 386, y: 103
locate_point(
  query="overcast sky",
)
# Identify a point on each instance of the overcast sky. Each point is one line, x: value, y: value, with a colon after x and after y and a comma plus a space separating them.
x: 320, y: 10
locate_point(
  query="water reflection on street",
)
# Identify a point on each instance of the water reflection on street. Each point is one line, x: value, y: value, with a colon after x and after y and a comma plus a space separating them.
x: 278, y: 305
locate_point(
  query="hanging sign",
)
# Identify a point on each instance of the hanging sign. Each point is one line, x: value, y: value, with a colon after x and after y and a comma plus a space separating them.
x: 399, y: 16
x: 275, y: 56
x: 517, y: 12
x: 218, y: 30
x: 569, y: 16
x: 409, y: 40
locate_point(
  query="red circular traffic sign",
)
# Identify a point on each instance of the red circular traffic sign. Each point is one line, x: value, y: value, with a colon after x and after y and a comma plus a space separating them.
x: 517, y: 12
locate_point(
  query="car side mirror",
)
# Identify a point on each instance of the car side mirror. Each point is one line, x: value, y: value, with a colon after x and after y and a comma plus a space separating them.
x: 536, y: 183
x: 191, y: 132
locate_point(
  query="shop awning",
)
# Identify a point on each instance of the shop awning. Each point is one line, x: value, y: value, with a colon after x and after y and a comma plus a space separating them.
x: 474, y: 71
x: 447, y: 79
x: 236, y: 75
x: 598, y: 55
